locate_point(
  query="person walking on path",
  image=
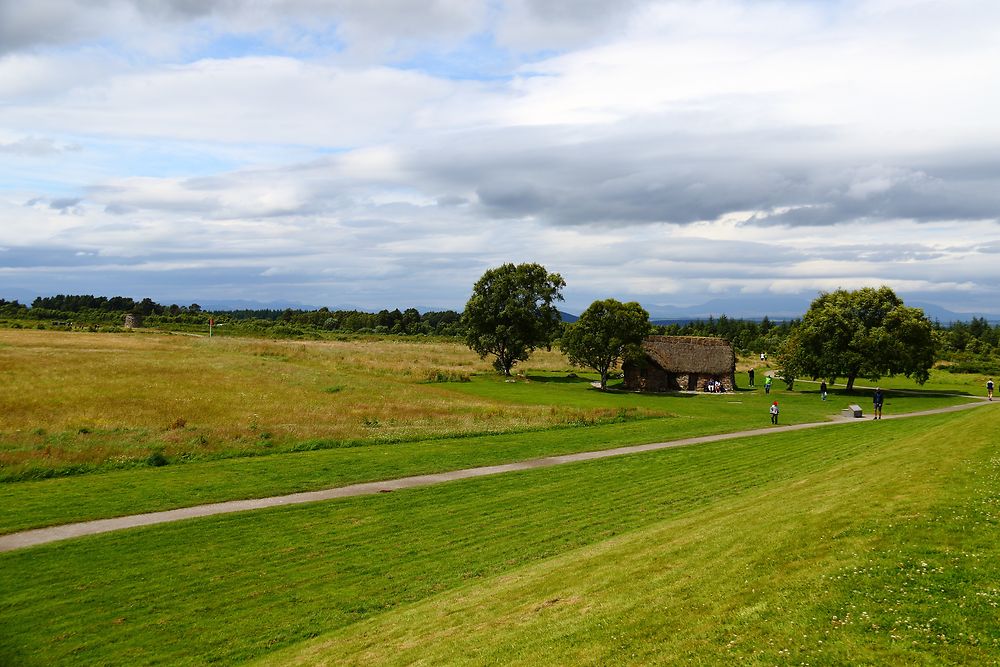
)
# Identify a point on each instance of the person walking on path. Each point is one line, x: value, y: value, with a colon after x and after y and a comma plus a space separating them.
x: 767, y: 384
x: 989, y: 386
x: 774, y: 412
x: 750, y: 375
x: 877, y: 401
x: 822, y: 390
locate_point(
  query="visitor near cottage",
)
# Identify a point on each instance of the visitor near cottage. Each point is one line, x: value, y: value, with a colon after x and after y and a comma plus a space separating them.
x: 989, y: 388
x: 822, y: 390
x: 774, y: 412
x: 767, y: 384
x: 714, y: 387
x: 877, y: 399
x: 750, y: 376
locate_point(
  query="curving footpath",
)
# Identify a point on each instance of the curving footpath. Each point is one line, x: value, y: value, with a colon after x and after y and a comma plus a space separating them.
x: 38, y: 536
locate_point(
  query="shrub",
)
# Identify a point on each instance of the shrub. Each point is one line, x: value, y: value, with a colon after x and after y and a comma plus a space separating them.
x: 967, y: 363
x: 156, y: 459
x: 446, y: 376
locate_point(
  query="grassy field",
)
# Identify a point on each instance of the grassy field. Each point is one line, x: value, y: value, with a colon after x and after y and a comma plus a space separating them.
x: 73, y: 402
x: 865, y: 543
x: 128, y: 387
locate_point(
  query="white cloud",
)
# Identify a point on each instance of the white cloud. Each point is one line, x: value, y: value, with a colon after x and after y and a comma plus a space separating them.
x: 252, y: 100
x: 661, y: 150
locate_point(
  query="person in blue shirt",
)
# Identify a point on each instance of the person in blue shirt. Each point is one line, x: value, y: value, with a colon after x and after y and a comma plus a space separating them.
x: 877, y: 399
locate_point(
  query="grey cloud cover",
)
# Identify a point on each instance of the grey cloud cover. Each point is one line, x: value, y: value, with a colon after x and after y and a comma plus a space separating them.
x: 39, y: 23
x: 668, y: 151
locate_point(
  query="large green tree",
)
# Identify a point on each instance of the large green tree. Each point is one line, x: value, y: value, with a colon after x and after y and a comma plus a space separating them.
x: 511, y: 313
x: 866, y: 333
x: 606, y: 333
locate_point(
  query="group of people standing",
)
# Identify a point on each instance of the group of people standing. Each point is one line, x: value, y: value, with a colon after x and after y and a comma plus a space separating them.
x: 767, y: 380
x: 878, y: 397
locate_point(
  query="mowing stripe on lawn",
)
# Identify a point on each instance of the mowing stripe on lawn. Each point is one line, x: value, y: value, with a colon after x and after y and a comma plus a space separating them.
x: 55, y: 533
x: 232, y: 588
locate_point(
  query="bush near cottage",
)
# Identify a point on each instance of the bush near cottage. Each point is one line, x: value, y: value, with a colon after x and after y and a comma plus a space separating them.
x: 608, y: 332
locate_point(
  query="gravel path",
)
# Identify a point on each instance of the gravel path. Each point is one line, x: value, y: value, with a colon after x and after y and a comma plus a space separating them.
x: 29, y: 538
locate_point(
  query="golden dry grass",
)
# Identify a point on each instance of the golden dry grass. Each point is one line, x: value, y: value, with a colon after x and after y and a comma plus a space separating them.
x: 88, y: 398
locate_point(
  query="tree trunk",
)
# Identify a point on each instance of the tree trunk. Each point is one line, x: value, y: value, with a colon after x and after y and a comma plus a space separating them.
x: 850, y: 383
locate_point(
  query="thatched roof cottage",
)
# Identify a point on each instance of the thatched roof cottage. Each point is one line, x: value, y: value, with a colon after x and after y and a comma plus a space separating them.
x: 672, y: 363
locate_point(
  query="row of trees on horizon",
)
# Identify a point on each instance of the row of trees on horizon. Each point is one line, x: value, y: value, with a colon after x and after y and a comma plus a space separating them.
x: 968, y: 346
x: 866, y: 333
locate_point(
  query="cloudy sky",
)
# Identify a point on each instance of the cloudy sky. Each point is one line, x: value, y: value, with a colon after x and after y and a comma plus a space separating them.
x: 384, y: 154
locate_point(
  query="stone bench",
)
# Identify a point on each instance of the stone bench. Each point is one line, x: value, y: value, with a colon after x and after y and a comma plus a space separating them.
x: 853, y: 411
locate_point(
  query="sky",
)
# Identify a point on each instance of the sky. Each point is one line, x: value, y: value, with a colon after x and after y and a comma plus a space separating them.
x: 349, y: 153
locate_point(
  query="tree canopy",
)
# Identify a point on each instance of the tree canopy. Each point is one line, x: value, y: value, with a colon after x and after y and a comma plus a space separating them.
x: 607, y: 332
x: 866, y: 333
x: 511, y: 313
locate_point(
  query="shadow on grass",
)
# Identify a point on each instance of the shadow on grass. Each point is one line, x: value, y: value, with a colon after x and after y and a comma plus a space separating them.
x: 858, y: 392
x: 560, y: 379
x: 620, y: 390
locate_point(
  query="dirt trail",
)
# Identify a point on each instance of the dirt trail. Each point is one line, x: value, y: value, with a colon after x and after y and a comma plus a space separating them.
x: 38, y: 536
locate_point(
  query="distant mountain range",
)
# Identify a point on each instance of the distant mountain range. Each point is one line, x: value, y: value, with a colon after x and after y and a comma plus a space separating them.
x: 775, y: 307
x: 945, y: 316
x: 783, y: 307
x: 245, y: 304
x: 780, y: 308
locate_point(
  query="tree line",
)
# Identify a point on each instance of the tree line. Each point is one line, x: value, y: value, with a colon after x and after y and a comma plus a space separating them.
x: 868, y: 333
x: 87, y: 309
x: 972, y: 346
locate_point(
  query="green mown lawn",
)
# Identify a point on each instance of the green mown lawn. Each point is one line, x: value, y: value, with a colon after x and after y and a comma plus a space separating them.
x: 33, y: 504
x: 744, y: 406
x: 863, y: 543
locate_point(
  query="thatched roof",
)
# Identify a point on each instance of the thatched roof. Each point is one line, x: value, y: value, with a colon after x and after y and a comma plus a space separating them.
x: 690, y: 354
